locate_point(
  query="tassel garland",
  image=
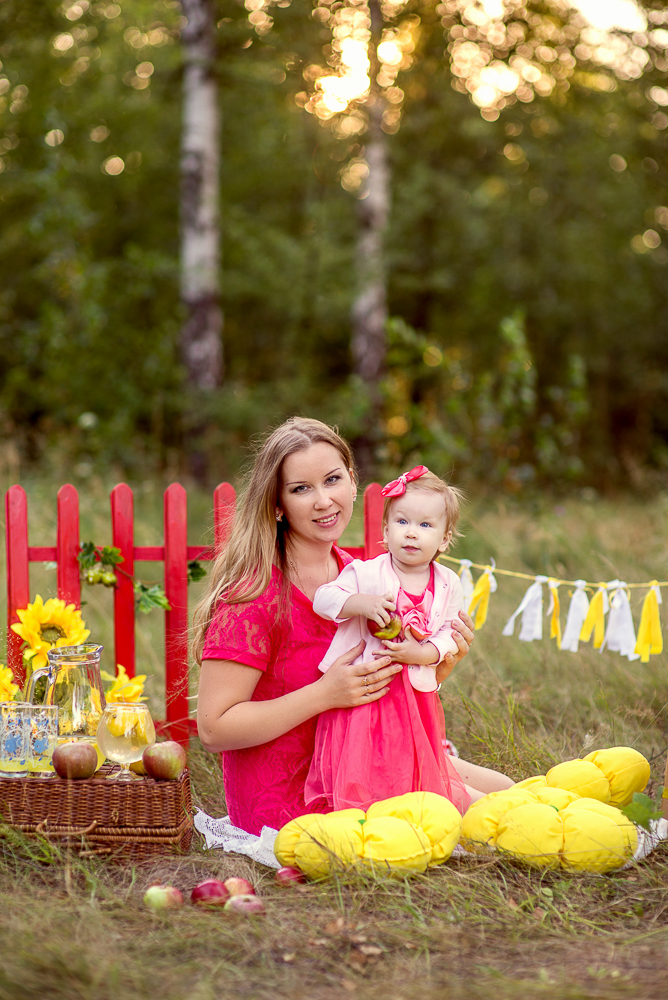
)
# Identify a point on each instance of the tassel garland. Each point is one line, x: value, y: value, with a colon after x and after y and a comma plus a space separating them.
x: 585, y: 619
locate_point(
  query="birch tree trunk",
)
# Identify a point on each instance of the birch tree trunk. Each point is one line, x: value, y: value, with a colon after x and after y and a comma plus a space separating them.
x: 369, y: 312
x: 201, y: 334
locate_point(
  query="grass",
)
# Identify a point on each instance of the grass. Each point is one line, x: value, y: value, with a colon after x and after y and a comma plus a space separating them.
x: 72, y: 929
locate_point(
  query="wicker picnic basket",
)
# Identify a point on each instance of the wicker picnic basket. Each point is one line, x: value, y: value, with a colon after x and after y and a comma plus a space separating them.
x: 126, y: 820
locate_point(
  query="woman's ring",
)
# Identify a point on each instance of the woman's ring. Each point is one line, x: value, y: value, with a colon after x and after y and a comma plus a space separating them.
x: 366, y: 680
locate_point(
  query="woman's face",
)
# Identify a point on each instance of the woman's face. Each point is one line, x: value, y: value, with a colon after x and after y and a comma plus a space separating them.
x: 317, y: 493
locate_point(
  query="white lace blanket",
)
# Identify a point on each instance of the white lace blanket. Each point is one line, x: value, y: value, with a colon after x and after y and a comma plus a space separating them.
x: 220, y: 833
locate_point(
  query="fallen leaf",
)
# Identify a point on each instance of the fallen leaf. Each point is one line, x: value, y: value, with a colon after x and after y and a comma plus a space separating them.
x: 409, y: 944
x: 356, y: 960
x: 359, y: 938
x: 349, y: 985
x: 289, y: 956
x: 370, y: 949
x: 318, y: 942
x: 539, y: 913
x: 513, y: 903
x: 335, y: 926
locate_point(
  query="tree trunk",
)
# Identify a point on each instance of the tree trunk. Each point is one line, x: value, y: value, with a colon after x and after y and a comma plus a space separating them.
x: 369, y: 312
x: 201, y: 340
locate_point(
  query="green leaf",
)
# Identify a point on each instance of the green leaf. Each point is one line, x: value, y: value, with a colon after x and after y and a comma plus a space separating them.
x: 195, y: 571
x: 110, y: 555
x: 641, y: 809
x: 148, y: 598
x: 87, y: 556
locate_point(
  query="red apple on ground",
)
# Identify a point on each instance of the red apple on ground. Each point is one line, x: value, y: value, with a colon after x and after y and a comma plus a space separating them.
x: 239, y: 887
x: 288, y: 876
x: 165, y: 761
x: 244, y: 904
x: 75, y: 760
x: 210, y: 893
x: 390, y: 631
x: 163, y: 897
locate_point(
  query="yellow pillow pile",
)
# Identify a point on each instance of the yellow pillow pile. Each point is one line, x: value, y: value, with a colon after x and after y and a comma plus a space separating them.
x: 404, y: 834
x: 567, y: 818
x: 612, y: 776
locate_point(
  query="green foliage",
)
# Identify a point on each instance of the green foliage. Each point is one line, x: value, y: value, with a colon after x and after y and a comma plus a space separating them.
x: 527, y: 334
x: 641, y: 810
x: 195, y: 571
x: 147, y: 598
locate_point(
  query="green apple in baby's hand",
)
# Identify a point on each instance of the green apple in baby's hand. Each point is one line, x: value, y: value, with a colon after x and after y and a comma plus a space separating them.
x: 390, y: 631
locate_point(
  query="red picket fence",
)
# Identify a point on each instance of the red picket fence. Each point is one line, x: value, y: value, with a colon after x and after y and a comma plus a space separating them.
x: 175, y: 553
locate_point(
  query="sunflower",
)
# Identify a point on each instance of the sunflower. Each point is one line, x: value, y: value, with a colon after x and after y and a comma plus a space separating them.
x: 124, y: 688
x: 45, y: 625
x: 8, y: 688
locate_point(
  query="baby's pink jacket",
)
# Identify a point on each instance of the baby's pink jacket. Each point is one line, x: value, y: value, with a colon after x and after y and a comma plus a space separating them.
x: 376, y: 576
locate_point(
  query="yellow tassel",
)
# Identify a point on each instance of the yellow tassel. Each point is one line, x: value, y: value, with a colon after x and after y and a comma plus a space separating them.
x: 480, y: 597
x: 595, y: 620
x: 555, y: 624
x: 650, y: 639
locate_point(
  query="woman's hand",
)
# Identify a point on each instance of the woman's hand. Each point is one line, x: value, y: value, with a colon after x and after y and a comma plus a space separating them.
x: 347, y: 684
x: 462, y: 632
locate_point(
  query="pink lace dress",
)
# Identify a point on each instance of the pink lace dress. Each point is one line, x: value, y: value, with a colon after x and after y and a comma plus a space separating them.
x: 264, y: 785
x: 388, y: 747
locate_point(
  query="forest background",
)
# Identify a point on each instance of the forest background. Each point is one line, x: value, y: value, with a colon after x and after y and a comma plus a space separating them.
x: 527, y: 279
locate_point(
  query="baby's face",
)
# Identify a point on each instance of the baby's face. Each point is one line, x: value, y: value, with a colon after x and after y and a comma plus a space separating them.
x: 416, y: 528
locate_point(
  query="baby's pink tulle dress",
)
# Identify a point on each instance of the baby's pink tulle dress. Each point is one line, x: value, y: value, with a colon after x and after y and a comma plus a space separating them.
x: 388, y: 747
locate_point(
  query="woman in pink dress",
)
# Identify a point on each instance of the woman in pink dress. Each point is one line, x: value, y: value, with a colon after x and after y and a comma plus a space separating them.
x: 259, y: 640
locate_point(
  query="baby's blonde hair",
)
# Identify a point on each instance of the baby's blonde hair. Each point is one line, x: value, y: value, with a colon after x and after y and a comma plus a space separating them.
x: 430, y: 483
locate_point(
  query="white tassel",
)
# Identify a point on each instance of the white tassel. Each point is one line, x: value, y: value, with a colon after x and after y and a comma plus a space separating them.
x: 620, y: 635
x: 577, y: 612
x: 466, y: 580
x: 531, y: 609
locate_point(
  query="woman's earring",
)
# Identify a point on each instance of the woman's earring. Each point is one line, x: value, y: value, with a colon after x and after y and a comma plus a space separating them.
x: 279, y: 515
x: 355, y: 498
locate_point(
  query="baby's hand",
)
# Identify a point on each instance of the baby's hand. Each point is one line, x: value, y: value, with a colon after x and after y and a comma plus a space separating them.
x: 410, y: 651
x: 377, y: 607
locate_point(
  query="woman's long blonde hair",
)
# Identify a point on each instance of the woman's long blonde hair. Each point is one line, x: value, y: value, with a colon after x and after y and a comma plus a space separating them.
x: 242, y: 571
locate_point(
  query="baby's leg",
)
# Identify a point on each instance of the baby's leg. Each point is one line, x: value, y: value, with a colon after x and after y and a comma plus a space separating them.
x: 473, y: 793
x: 481, y: 779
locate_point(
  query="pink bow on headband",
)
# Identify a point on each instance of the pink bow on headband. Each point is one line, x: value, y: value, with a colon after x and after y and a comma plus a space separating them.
x: 398, y: 486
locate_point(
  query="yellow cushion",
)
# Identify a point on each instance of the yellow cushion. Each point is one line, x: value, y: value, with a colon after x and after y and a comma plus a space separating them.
x: 433, y: 813
x: 626, y: 769
x: 557, y: 797
x: 533, y: 832
x: 288, y: 835
x: 481, y: 819
x: 393, y: 844
x: 593, y: 840
x: 332, y: 841
x: 582, y: 777
x: 612, y: 813
x: 531, y: 784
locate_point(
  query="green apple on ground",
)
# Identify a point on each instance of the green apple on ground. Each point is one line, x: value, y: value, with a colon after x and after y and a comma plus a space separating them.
x: 163, y: 897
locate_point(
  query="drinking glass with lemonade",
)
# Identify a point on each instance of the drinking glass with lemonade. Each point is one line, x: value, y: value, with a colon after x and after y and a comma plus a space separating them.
x: 125, y: 730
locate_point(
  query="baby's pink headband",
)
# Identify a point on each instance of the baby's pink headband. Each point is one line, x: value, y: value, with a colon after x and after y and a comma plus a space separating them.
x: 398, y: 486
